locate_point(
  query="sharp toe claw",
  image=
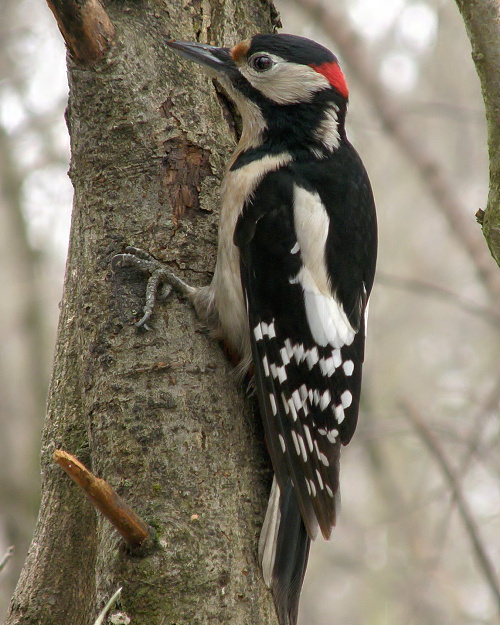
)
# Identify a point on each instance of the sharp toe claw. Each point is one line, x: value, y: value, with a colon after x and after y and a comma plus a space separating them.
x: 142, y: 323
x: 117, y: 262
x: 164, y: 292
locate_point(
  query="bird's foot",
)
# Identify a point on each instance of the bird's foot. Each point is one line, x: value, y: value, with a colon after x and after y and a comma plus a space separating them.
x: 161, y: 280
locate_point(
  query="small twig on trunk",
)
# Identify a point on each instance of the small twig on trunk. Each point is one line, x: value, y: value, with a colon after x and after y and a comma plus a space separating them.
x: 6, y: 557
x: 132, y: 528
x: 107, y: 607
x: 464, y: 511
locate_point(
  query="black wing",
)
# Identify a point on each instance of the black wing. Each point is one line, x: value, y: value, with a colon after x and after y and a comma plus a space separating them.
x: 307, y: 346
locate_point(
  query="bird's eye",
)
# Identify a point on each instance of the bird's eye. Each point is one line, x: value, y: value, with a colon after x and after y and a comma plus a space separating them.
x: 261, y: 62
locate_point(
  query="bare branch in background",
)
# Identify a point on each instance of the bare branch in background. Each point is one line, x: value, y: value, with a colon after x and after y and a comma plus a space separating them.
x: 474, y: 447
x: 354, y: 55
x: 433, y: 290
x: 6, y: 557
x: 482, y: 22
x: 432, y: 444
x: 490, y: 406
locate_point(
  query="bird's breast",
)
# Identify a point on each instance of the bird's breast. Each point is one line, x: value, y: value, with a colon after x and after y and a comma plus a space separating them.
x: 237, y: 188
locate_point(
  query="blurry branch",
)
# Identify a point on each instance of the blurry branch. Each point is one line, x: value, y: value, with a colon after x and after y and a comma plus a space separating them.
x: 490, y: 407
x: 6, y: 557
x: 42, y: 125
x: 400, y: 507
x: 394, y: 495
x: 19, y: 262
x: 132, y: 528
x: 86, y: 28
x: 448, y: 110
x: 482, y: 23
x: 432, y: 290
x: 473, y: 438
x: 453, y: 480
x: 357, y: 59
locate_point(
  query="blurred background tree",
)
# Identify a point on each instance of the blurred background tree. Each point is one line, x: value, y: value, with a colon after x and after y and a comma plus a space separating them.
x: 35, y: 205
x: 404, y: 550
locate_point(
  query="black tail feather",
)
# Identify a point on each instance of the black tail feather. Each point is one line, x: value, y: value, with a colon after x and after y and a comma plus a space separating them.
x: 290, y: 562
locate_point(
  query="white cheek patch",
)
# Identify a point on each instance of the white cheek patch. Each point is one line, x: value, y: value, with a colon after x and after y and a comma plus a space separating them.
x: 285, y: 82
x: 328, y: 129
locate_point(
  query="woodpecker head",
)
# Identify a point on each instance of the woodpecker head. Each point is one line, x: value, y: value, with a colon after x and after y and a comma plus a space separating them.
x: 290, y: 91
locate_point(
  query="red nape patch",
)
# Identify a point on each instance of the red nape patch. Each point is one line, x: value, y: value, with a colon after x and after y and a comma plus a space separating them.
x: 332, y: 72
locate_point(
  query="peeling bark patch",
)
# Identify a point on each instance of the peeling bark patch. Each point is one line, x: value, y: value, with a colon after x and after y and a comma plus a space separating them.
x: 185, y: 166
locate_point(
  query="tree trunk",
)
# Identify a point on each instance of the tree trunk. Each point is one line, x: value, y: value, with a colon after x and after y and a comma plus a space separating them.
x: 157, y: 414
x: 482, y: 22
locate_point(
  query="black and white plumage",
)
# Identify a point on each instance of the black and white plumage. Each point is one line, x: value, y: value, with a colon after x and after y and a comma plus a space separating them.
x: 295, y: 267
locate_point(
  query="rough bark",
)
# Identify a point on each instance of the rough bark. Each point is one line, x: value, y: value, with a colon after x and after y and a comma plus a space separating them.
x: 482, y: 22
x: 157, y: 414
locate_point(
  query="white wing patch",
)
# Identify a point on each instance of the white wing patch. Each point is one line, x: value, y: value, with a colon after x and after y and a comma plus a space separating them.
x: 326, y: 317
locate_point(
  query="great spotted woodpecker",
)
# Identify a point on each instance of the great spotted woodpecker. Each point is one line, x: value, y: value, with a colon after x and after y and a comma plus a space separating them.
x: 295, y: 267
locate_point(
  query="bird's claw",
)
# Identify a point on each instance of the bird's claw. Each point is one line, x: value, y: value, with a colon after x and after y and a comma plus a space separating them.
x: 160, y: 283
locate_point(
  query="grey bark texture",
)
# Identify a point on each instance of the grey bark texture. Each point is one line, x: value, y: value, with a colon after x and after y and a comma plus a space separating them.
x: 158, y: 414
x: 482, y: 22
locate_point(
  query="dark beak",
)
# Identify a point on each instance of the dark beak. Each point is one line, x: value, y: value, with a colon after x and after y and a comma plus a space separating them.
x: 217, y: 59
